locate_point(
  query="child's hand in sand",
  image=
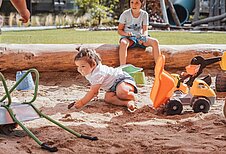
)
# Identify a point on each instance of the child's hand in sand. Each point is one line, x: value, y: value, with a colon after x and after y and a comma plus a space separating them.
x: 77, y: 104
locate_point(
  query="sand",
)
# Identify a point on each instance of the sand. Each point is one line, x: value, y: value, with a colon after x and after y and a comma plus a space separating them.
x: 118, y: 131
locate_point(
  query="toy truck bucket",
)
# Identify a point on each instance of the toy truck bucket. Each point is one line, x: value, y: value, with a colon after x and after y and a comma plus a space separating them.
x: 223, y: 61
x: 164, y: 84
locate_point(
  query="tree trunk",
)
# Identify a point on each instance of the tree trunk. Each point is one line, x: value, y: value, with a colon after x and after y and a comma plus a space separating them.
x: 60, y: 57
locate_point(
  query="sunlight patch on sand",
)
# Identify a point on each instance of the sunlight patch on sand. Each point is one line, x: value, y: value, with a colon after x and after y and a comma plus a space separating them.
x: 153, y: 121
x: 96, y: 120
x: 157, y: 121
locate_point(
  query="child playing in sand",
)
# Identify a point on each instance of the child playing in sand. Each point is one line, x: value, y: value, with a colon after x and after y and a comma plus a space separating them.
x: 133, y: 28
x: 119, y: 86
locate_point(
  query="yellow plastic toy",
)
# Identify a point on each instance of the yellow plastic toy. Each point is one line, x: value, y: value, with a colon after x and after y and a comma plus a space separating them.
x: 172, y: 91
x: 221, y: 76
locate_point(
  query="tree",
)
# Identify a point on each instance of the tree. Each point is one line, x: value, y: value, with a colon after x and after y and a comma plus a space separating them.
x: 99, y: 12
x: 98, y: 9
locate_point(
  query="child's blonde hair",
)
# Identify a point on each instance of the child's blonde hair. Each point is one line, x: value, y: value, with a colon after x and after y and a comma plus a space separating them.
x: 89, y: 55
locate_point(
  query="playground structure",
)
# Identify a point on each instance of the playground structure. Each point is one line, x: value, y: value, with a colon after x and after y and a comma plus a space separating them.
x: 13, y: 114
x: 171, y: 91
x: 207, y: 14
x: 215, y: 20
x: 183, y: 8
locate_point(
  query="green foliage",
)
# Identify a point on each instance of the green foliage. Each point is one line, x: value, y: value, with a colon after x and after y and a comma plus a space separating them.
x: 84, y: 6
x: 99, y: 12
x: 97, y: 9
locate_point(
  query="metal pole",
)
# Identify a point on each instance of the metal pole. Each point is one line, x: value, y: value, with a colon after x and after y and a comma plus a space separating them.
x: 163, y: 7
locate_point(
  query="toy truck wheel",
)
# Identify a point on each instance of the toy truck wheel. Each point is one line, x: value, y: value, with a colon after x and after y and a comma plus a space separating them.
x: 174, y: 107
x: 221, y: 82
x: 201, y: 105
x: 7, y: 128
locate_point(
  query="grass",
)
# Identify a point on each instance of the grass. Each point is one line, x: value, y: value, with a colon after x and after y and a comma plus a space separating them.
x: 71, y: 36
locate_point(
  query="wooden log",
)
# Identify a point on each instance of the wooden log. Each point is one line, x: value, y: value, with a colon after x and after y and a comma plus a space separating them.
x: 60, y: 57
x: 223, y: 20
x: 209, y: 19
x: 223, y: 28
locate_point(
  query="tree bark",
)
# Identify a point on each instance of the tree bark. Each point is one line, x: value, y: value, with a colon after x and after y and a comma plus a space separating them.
x: 60, y: 57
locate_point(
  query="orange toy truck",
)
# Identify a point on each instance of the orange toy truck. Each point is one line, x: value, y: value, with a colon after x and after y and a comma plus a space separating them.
x: 172, y: 91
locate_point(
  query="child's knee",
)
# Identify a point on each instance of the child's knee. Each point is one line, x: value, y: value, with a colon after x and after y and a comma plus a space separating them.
x: 124, y: 43
x: 124, y: 94
x: 154, y: 42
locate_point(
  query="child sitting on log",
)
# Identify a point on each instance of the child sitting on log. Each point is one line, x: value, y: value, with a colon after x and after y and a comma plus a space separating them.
x: 120, y: 87
x: 133, y: 28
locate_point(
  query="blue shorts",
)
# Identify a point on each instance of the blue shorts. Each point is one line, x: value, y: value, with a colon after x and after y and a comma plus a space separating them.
x: 135, y: 41
x: 123, y: 78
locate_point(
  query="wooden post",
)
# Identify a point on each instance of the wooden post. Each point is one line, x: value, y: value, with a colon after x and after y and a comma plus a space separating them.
x: 173, y: 13
x: 197, y: 9
x: 223, y: 10
x: 211, y: 11
x: 164, y: 14
x: 216, y: 11
x: 222, y: 5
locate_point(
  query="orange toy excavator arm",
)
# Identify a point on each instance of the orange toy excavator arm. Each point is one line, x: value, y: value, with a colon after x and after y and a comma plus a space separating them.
x: 223, y: 61
x: 164, y: 84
